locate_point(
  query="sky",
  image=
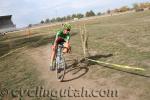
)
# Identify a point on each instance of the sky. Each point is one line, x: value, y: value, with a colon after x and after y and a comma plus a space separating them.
x: 27, y: 12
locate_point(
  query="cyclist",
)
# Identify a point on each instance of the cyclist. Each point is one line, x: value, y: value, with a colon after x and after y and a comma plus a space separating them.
x: 62, y: 37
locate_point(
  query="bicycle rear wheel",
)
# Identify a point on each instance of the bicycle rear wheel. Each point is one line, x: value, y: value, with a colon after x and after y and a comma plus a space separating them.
x: 60, y: 69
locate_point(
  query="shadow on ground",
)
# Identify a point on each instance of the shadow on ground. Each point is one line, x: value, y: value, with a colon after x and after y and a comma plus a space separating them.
x: 100, y: 56
x: 81, y: 67
x: 75, y: 70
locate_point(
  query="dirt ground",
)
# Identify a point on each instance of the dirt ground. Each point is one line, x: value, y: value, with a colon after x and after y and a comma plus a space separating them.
x: 87, y: 77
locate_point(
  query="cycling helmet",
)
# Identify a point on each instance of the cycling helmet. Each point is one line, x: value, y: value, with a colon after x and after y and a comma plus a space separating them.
x: 67, y: 26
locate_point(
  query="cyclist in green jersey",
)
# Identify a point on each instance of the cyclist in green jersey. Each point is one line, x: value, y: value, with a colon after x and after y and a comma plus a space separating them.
x: 62, y: 37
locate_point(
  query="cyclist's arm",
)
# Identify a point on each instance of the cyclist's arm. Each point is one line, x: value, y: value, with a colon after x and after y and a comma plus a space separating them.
x: 57, y: 35
x: 68, y: 40
x: 68, y: 37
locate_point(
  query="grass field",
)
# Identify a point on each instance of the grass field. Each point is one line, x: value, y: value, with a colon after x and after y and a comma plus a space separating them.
x: 126, y: 38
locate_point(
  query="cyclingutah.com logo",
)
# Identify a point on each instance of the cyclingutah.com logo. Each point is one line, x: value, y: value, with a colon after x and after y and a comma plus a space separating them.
x: 69, y: 92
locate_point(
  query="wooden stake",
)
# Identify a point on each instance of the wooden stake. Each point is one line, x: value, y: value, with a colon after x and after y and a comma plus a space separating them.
x: 84, y: 41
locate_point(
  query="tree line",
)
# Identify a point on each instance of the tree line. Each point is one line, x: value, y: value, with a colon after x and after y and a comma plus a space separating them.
x: 69, y: 17
x: 137, y: 7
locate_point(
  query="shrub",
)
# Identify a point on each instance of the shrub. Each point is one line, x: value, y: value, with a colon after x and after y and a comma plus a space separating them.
x: 139, y: 10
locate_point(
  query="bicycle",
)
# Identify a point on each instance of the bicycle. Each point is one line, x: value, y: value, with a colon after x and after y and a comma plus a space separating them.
x: 59, y: 63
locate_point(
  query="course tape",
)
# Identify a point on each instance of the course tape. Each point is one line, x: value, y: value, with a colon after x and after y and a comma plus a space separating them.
x: 117, y: 65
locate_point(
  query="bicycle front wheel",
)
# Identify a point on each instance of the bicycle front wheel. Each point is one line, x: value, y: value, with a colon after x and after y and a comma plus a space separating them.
x: 60, y: 69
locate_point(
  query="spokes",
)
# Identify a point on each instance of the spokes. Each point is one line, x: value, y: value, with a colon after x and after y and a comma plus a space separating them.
x: 60, y: 70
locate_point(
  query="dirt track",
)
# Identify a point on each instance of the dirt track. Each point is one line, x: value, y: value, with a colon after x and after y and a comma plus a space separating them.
x: 72, y: 81
x: 83, y: 78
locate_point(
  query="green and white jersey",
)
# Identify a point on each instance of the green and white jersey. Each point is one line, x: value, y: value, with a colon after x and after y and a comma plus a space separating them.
x: 60, y: 33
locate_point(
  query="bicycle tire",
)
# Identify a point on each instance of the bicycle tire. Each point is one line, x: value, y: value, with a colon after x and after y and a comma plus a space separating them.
x: 60, y: 71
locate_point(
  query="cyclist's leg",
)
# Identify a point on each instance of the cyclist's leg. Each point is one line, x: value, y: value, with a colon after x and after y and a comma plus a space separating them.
x: 53, y: 53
